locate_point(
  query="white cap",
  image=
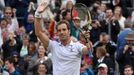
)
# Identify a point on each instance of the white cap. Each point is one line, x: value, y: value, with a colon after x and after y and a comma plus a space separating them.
x: 102, y: 65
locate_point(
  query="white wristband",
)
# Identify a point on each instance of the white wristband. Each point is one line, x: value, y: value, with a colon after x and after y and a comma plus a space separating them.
x: 37, y: 14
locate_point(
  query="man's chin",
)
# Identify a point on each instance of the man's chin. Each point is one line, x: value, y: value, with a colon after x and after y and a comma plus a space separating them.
x: 62, y: 38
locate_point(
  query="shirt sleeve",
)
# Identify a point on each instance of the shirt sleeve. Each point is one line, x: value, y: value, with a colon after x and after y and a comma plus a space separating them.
x: 50, y: 46
x: 80, y: 47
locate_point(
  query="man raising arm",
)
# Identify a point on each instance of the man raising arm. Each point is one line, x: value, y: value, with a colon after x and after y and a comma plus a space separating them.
x: 66, y: 54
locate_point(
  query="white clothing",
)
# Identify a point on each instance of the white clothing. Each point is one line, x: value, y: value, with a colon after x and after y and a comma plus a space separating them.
x: 14, y: 26
x: 101, y: 59
x: 121, y: 22
x: 66, y: 59
x: 23, y: 51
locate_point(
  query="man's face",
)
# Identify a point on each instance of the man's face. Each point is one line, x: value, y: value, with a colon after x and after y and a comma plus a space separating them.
x: 8, y: 65
x: 104, y: 39
x: 63, y: 32
x: 128, y: 71
x: 30, y: 18
x: 42, y: 68
x: 109, y: 13
x: 102, y: 71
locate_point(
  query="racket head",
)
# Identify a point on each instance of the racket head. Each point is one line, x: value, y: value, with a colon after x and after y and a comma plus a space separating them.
x: 82, y: 10
x: 83, y: 14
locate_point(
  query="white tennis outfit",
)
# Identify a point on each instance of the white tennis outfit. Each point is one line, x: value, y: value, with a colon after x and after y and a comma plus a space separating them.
x: 66, y: 59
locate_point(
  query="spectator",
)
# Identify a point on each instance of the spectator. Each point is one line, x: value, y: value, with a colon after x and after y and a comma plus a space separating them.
x: 42, y: 69
x: 102, y: 57
x: 22, y: 9
x: 10, y: 15
x: 18, y: 63
x: 39, y: 58
x: 128, y: 70
x: 75, y: 30
x: 3, y: 28
x: 31, y: 53
x: 127, y: 56
x: 24, y: 49
x: 121, y: 42
x: 101, y: 12
x: 9, y: 62
x: 110, y: 25
x: 105, y: 41
x: 2, y: 71
x: 118, y: 16
x: 30, y: 23
x: 95, y: 31
x: 103, y: 69
x: 11, y: 45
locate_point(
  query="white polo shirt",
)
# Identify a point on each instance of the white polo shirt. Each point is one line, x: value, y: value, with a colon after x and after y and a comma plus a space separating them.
x: 66, y: 59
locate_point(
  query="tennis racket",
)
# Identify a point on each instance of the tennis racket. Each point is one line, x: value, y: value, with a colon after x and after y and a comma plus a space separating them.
x: 83, y: 13
x: 85, y: 17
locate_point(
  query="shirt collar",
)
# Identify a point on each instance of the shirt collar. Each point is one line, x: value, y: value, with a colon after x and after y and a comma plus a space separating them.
x: 71, y: 43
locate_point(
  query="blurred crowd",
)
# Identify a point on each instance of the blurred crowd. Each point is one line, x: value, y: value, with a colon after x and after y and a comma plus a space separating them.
x: 111, y: 36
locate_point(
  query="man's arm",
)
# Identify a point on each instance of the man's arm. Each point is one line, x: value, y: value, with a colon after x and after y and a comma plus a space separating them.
x: 37, y: 23
x: 85, y: 50
x: 88, y: 46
